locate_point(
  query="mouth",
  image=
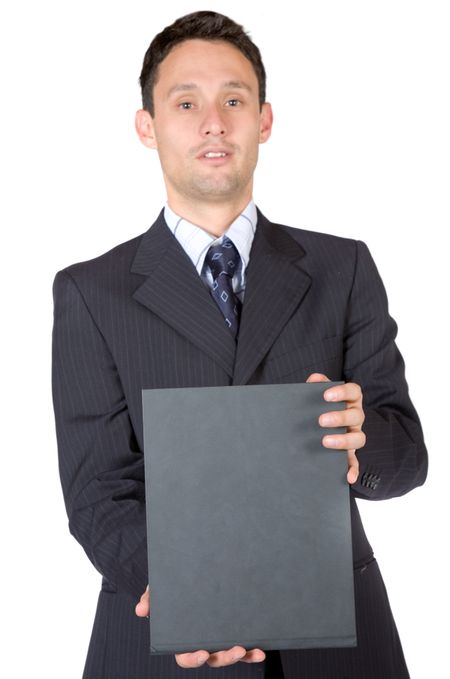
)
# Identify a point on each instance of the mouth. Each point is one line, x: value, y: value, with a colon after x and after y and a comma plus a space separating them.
x: 212, y: 154
x: 215, y: 156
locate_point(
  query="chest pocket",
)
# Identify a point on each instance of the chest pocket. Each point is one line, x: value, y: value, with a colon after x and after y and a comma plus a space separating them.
x: 324, y: 356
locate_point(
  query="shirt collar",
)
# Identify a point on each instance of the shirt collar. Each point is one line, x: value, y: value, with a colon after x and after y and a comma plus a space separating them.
x: 195, y: 241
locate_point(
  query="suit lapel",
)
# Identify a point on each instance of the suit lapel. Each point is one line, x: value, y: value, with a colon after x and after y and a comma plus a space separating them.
x: 275, y: 287
x: 175, y: 292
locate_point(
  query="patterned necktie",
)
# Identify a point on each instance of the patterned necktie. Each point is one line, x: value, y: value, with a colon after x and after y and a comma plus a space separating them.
x: 223, y: 260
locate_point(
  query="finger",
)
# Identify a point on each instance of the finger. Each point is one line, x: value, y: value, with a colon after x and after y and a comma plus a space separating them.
x: 351, y: 417
x: 349, y: 392
x: 353, y: 467
x: 142, y: 608
x: 189, y: 660
x: 255, y: 655
x: 229, y: 657
x: 317, y: 377
x: 350, y: 441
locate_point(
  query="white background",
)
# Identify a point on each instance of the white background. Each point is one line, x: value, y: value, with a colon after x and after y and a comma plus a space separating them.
x: 360, y: 148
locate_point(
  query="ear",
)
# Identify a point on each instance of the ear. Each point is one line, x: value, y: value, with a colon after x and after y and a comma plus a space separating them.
x: 266, y: 122
x: 145, y: 129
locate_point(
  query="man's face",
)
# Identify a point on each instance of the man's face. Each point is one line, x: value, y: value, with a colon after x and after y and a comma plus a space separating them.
x: 207, y: 122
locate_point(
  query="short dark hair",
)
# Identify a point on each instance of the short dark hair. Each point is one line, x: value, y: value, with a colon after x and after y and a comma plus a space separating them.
x: 197, y: 26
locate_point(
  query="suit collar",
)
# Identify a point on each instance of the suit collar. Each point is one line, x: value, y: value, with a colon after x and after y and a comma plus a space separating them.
x: 175, y: 292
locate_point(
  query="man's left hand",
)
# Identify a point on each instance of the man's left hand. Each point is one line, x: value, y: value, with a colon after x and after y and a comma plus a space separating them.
x: 352, y: 418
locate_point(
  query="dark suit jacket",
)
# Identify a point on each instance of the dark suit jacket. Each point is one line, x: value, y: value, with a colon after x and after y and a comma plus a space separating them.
x: 140, y: 317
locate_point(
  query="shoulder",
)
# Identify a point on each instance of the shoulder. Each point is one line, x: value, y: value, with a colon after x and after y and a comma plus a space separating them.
x: 309, y: 240
x: 95, y: 280
x: 313, y: 241
x: 335, y: 254
x: 318, y: 249
x: 114, y: 267
x: 322, y: 255
x: 118, y: 258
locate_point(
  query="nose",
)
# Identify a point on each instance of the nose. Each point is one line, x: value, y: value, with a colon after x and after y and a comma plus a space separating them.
x: 213, y: 123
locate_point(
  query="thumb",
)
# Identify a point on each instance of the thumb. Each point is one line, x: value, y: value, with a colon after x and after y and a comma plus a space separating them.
x: 318, y: 377
x: 142, y: 608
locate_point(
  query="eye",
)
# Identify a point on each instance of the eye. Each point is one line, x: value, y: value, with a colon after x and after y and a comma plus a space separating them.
x: 233, y: 102
x: 185, y: 105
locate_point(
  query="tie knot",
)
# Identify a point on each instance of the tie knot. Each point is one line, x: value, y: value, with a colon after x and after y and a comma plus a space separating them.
x: 223, y: 258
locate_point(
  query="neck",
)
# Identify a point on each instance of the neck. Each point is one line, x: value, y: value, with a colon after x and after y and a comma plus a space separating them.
x: 213, y: 218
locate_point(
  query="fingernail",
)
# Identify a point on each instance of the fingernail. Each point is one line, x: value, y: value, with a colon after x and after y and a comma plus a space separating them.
x: 326, y: 420
x: 330, y: 396
x: 201, y: 659
x: 330, y: 441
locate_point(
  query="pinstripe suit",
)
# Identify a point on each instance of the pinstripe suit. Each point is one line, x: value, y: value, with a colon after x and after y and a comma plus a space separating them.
x: 140, y: 317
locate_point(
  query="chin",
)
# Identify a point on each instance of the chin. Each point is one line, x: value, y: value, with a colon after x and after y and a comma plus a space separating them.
x: 226, y: 187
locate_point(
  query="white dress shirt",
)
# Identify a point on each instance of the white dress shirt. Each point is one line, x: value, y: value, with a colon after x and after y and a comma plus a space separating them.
x: 195, y: 241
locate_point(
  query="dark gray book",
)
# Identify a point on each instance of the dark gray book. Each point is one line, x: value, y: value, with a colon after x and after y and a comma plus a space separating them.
x: 248, y: 520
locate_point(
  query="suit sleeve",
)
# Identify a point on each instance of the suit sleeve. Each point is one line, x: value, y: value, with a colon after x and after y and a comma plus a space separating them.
x: 101, y: 466
x: 394, y: 459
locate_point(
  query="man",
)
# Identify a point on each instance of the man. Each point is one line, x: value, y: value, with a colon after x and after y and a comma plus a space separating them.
x: 158, y: 311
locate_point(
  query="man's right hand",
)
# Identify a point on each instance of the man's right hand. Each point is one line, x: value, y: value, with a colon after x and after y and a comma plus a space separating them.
x: 198, y: 658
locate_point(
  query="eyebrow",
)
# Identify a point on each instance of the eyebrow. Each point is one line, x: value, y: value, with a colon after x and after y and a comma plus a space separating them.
x: 229, y: 84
